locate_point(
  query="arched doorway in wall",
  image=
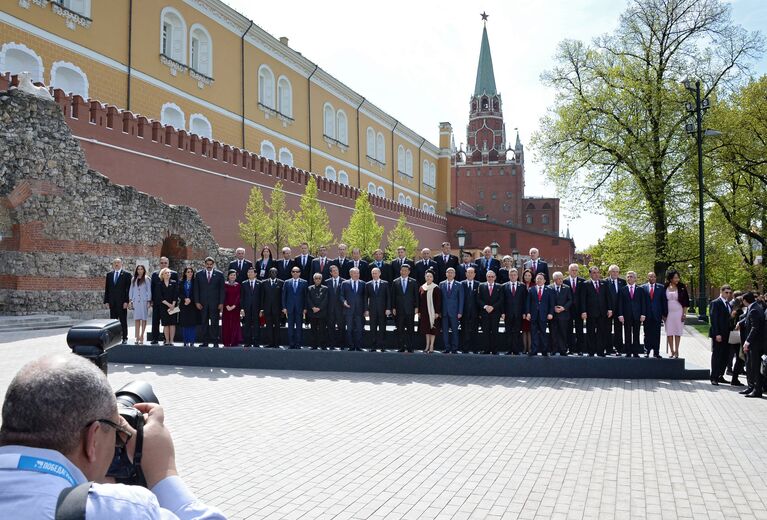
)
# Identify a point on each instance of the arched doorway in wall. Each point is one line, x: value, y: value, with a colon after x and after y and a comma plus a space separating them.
x: 175, y: 248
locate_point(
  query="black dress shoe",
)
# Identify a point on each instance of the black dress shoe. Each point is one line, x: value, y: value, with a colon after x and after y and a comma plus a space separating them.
x: 201, y: 344
x: 658, y: 356
x: 529, y: 354
x: 154, y: 343
x: 215, y: 345
x: 735, y: 382
x: 746, y: 390
x: 721, y: 380
x: 401, y: 350
x: 759, y: 395
x: 715, y: 382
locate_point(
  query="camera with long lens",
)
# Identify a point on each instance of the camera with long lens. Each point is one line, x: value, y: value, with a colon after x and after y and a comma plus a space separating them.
x: 92, y: 340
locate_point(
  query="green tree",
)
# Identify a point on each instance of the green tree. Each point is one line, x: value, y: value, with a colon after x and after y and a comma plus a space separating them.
x: 311, y: 224
x: 280, y: 218
x: 616, y: 131
x: 255, y: 230
x: 363, y: 230
x: 401, y: 235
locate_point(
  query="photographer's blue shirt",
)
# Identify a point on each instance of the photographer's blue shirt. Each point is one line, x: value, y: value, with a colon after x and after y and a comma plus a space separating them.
x: 32, y: 478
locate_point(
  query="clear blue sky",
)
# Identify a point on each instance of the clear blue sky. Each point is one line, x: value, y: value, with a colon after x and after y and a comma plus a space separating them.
x: 417, y: 60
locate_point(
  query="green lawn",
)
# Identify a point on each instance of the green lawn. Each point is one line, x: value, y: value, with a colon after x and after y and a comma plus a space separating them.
x: 701, y: 327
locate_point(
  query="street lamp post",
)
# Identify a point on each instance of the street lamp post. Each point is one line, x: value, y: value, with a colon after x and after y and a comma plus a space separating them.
x: 515, y: 256
x: 461, y: 235
x: 494, y: 248
x: 692, y: 285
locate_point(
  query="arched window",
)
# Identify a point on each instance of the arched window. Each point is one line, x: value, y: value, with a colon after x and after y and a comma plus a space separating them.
x: 329, y: 118
x: 343, y: 177
x: 409, y: 162
x: 371, y: 188
x: 401, y: 198
x: 433, y: 175
x: 409, y: 201
x: 425, y: 207
x: 546, y: 205
x: 425, y: 172
x: 173, y: 35
x: 286, y: 157
x: 172, y: 115
x: 199, y: 124
x: 267, y: 151
x: 371, y: 143
x: 431, y: 209
x: 342, y: 127
x: 284, y: 97
x: 201, y: 50
x: 266, y: 86
x: 529, y: 219
x: 69, y: 78
x: 330, y: 173
x: 382, y: 191
x: 82, y: 7
x: 380, y: 148
x: 544, y: 219
x: 15, y: 58
x: 401, y: 158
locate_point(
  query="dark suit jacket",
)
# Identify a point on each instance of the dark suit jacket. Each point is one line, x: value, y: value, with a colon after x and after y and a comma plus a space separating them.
x: 325, y: 271
x: 209, y: 294
x: 539, y: 311
x: 595, y: 304
x: 283, y: 271
x: 386, y: 270
x: 514, y: 305
x: 657, y: 307
x: 169, y: 293
x: 242, y: 274
x: 250, y: 298
x: 259, y: 267
x: 632, y: 309
x: 612, y: 292
x: 494, y: 265
x: 306, y: 270
x: 420, y: 270
x: 452, y: 301
x: 719, y: 320
x: 460, y: 272
x: 404, y: 302
x: 116, y: 294
x: 335, y: 306
x: 317, y: 296
x: 294, y: 299
x: 452, y: 261
x: 470, y: 305
x: 564, y: 299
x: 156, y: 284
x: 364, y: 270
x: 485, y: 298
x: 271, y: 297
x: 343, y: 266
x: 378, y: 302
x: 576, y: 307
x: 396, y: 265
x: 355, y: 299
x: 543, y: 267
x: 753, y: 328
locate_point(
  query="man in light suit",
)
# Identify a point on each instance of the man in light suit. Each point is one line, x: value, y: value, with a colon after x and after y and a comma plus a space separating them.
x: 445, y: 260
x: 250, y: 303
x: 719, y: 332
x: 353, y: 298
x: 377, y: 308
x: 471, y: 312
x: 336, y: 321
x: 294, y: 306
x: 487, y: 263
x: 576, y: 340
x: 155, y: 335
x: 404, y: 306
x: 360, y: 264
x: 514, y: 301
x: 285, y: 264
x: 116, y: 290
x: 490, y: 302
x: 240, y: 265
x: 423, y: 265
x: 632, y: 312
x: 209, y: 300
x: 563, y: 305
x: 657, y: 310
x: 322, y: 263
x: 468, y: 261
x: 304, y: 261
x: 452, y: 309
x: 540, y: 311
x: 536, y: 265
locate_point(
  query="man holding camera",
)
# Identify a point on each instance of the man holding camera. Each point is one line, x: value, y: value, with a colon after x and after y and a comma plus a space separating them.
x: 60, y: 428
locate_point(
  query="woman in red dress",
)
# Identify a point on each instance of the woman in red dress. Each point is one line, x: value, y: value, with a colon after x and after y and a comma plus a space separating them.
x: 527, y: 279
x: 230, y: 318
x: 429, y: 309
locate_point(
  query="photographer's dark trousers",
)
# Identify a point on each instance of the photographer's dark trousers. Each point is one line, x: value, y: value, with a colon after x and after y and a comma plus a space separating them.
x: 490, y: 321
x: 118, y: 313
x: 597, y: 335
x: 720, y: 351
x: 575, y: 337
x: 250, y: 329
x: 652, y: 336
x: 616, y: 339
x: 336, y: 329
x: 469, y: 333
x: 377, y: 329
x: 209, y: 328
x: 559, y: 328
x: 513, y: 333
x: 405, y: 329
x: 631, y: 328
x: 539, y: 337
x: 753, y: 366
x: 355, y: 323
x: 319, y: 335
x: 272, y: 329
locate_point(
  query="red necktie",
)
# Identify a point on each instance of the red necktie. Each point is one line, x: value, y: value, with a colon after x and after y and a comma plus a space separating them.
x: 208, y: 276
x: 513, y: 289
x: 322, y: 264
x: 652, y: 291
x: 596, y: 286
x: 490, y: 290
x: 540, y: 294
x: 535, y: 267
x: 631, y: 290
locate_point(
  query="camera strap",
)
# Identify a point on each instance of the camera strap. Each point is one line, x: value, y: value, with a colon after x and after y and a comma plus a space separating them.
x: 138, y: 453
x: 72, y: 502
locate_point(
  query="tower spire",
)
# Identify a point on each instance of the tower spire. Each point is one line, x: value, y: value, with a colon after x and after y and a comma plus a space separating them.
x: 485, y: 83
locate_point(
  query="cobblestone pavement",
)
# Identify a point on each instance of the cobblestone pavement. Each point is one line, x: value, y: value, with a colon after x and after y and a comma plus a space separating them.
x: 270, y: 444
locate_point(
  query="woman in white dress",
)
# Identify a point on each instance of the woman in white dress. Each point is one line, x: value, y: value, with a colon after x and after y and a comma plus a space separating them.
x: 140, y: 298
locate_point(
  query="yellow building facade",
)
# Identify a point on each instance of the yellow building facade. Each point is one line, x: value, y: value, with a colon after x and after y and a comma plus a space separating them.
x: 202, y: 66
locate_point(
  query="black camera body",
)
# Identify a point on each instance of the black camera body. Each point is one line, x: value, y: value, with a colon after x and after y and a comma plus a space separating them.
x: 91, y: 340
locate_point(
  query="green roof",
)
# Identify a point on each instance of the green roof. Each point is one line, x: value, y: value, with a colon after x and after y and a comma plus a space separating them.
x: 485, y: 78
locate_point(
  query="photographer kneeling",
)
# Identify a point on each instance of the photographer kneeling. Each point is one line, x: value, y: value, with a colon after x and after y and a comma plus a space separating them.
x: 60, y: 428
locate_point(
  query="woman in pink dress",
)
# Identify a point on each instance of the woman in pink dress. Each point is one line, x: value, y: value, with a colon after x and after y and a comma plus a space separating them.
x: 678, y: 302
x: 230, y: 318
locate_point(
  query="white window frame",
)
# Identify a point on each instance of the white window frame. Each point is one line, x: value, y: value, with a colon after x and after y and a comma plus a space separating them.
x: 342, y: 127
x: 381, y: 192
x: 401, y: 198
x: 380, y: 148
x: 208, y: 69
x: 371, y: 142
x: 401, y: 159
x: 84, y: 9
x: 71, y: 67
x: 409, y: 162
x: 285, y: 97
x: 330, y: 173
x: 409, y: 201
x: 372, y: 188
x: 432, y: 175
x: 203, y: 120
x: 178, y: 55
x: 286, y: 156
x: 36, y: 73
x: 343, y: 178
x: 329, y: 121
x: 268, y: 151
x: 172, y: 106
x: 266, y: 86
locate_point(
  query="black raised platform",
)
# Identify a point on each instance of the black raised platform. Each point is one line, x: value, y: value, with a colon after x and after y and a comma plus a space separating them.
x: 403, y: 363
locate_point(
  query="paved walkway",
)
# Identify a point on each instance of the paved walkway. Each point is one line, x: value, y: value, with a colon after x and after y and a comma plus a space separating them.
x: 269, y: 444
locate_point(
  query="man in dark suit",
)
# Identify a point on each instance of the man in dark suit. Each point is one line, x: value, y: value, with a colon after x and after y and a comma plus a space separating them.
x: 423, y: 265
x: 402, y: 258
x: 250, y: 303
x: 719, y: 332
x: 317, y: 310
x: 294, y: 306
x: 468, y: 261
x: 209, y: 299
x: 271, y: 308
x: 753, y: 346
x: 563, y: 308
x: 487, y: 263
x: 536, y: 265
x: 343, y: 262
x: 514, y: 301
x: 452, y: 309
x: 336, y: 320
x: 540, y: 311
x: 444, y: 261
x: 304, y: 261
x: 490, y: 301
x: 116, y: 290
x: 596, y: 310
x: 155, y: 335
x: 322, y: 263
x: 353, y: 298
x: 404, y: 306
x: 386, y: 270
x: 470, y: 317
x: 614, y: 283
x: 285, y: 265
x: 657, y: 310
x: 377, y: 308
x: 632, y: 312
x: 240, y: 265
x: 576, y: 341
x: 360, y: 264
